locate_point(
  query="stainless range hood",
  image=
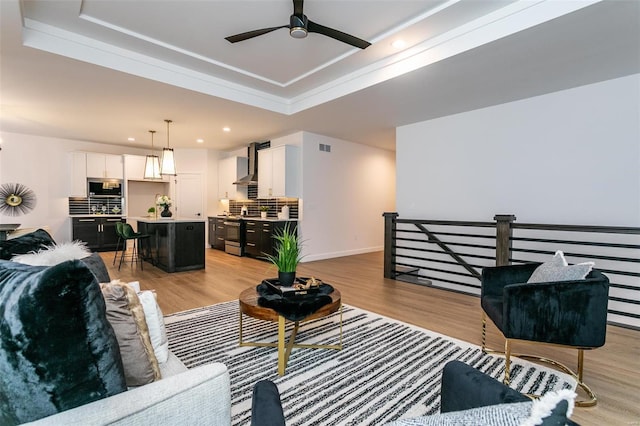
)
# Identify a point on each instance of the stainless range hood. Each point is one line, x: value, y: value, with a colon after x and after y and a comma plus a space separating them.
x: 252, y: 177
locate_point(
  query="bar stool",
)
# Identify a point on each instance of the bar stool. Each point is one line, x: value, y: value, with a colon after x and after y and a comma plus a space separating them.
x: 120, y: 238
x: 129, y: 234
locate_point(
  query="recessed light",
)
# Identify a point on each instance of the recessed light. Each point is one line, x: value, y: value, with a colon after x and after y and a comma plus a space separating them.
x: 226, y: 129
x: 131, y: 139
x: 398, y: 44
x: 200, y: 140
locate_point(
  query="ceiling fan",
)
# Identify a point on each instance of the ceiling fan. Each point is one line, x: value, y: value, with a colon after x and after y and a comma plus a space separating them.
x: 299, y: 26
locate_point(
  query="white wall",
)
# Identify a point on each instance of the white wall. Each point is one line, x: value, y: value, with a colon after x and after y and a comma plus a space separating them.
x: 42, y: 164
x: 141, y: 196
x: 344, y: 193
x: 570, y: 157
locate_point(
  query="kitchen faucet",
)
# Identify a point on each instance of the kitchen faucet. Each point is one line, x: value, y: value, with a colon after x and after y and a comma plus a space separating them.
x: 155, y: 203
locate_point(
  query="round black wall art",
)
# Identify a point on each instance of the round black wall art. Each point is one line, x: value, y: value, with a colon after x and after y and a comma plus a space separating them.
x: 16, y: 199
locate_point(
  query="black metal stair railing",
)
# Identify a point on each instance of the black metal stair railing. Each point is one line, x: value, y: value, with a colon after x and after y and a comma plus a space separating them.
x: 614, y: 249
x: 451, y: 254
x: 437, y: 252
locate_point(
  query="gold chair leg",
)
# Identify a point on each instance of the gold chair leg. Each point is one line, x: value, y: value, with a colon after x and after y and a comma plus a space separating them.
x: 507, y: 362
x: 577, y: 376
x: 580, y: 364
x: 593, y: 400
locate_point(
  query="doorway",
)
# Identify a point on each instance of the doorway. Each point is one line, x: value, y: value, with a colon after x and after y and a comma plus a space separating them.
x: 189, y: 196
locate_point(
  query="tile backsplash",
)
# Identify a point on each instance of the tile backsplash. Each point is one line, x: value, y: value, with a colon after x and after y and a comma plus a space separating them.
x: 83, y: 205
x: 275, y: 206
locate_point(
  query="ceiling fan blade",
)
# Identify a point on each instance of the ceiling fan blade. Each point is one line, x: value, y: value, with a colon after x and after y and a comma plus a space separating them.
x: 297, y: 7
x: 312, y: 27
x: 251, y: 34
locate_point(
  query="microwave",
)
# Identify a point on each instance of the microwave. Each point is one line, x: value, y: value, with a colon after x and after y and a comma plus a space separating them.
x: 104, y: 187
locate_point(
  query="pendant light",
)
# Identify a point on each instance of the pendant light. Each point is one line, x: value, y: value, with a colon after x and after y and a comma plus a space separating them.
x: 168, y: 162
x: 152, y: 164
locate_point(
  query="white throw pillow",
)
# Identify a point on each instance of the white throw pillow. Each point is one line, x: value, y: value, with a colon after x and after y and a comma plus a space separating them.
x: 557, y: 269
x: 54, y: 254
x: 155, y: 322
x: 538, y: 412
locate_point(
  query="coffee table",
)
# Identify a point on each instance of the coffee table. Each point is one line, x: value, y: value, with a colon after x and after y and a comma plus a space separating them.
x: 249, y: 306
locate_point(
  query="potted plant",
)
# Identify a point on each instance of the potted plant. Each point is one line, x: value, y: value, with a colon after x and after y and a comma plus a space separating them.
x: 151, y: 211
x: 288, y: 253
x: 263, y: 211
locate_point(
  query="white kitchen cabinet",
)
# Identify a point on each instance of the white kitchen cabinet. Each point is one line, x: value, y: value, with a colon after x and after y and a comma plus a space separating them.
x: 134, y: 169
x: 278, y: 172
x: 78, y: 183
x: 106, y: 166
x: 230, y: 170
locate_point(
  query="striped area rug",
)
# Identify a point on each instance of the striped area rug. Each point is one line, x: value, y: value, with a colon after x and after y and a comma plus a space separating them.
x: 386, y: 370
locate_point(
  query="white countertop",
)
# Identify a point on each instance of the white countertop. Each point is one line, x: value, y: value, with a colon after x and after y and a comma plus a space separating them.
x: 256, y: 218
x: 269, y: 219
x: 166, y: 219
x: 119, y: 215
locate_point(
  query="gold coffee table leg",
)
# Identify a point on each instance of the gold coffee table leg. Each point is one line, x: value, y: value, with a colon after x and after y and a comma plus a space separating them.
x: 282, y: 362
x: 240, y: 337
x: 284, y: 351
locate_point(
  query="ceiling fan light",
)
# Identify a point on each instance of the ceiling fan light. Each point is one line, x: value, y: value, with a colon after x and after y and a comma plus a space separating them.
x: 298, y: 26
x: 298, y: 32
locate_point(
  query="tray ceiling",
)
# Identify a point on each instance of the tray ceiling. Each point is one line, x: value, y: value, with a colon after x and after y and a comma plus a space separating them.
x: 139, y: 62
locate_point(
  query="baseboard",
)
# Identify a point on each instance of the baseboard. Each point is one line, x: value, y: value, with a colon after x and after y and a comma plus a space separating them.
x: 323, y: 256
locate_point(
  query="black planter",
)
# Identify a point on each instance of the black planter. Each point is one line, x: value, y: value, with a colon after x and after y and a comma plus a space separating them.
x: 286, y: 278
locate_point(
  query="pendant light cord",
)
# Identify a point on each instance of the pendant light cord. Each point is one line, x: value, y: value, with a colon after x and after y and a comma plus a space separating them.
x: 152, y: 132
x: 168, y: 122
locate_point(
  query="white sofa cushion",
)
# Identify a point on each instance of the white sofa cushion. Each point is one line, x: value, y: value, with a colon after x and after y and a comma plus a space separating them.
x: 200, y: 396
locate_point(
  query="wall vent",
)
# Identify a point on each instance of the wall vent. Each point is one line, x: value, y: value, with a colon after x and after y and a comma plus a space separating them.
x: 325, y: 147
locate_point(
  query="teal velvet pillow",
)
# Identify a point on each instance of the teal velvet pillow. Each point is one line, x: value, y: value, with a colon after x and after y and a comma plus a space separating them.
x: 57, y: 349
x: 25, y: 243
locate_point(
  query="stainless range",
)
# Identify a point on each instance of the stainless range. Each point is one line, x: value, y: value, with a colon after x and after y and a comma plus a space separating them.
x: 234, y: 235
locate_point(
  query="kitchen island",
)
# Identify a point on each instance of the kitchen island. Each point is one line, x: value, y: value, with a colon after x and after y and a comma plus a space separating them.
x: 175, y: 245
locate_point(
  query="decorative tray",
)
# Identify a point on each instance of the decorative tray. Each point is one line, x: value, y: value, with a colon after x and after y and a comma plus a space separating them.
x: 274, y: 284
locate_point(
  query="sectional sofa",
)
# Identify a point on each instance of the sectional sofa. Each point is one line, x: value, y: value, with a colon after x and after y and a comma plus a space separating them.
x: 60, y: 362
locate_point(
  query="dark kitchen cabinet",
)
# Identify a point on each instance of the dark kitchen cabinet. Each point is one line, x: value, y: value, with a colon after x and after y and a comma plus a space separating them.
x: 266, y: 242
x: 98, y: 232
x: 259, y: 241
x: 211, y: 226
x: 217, y: 241
x: 252, y: 241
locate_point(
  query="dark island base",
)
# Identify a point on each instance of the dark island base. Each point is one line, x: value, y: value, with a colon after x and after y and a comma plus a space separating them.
x: 174, y: 246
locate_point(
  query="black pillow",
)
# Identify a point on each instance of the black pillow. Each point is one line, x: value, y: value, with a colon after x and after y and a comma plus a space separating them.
x: 57, y: 349
x: 96, y: 265
x: 24, y: 244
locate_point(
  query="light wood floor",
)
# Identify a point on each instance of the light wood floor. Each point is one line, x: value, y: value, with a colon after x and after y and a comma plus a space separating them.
x: 612, y: 371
